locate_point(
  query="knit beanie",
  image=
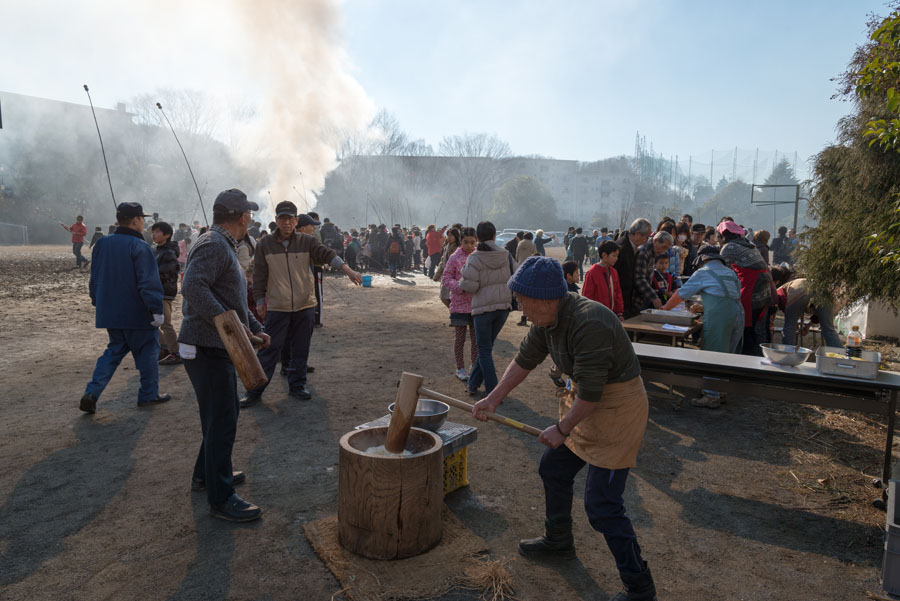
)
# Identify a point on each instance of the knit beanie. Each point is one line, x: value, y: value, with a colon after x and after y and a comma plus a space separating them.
x: 539, y: 277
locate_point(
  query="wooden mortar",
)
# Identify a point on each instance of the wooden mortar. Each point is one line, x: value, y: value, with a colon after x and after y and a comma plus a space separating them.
x: 389, y: 507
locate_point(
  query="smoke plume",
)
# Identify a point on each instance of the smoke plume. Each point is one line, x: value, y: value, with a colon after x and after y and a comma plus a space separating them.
x: 308, y: 96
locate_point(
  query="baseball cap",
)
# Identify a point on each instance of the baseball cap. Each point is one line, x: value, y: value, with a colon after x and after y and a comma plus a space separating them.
x: 233, y: 201
x: 304, y: 219
x: 286, y: 207
x: 131, y: 210
x: 698, y: 228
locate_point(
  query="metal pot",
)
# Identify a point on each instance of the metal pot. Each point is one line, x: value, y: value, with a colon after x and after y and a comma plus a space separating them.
x: 430, y: 414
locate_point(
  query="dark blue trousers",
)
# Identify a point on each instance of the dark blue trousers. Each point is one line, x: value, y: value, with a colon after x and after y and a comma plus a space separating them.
x: 295, y: 328
x: 602, y: 501
x: 144, y: 347
x: 215, y: 384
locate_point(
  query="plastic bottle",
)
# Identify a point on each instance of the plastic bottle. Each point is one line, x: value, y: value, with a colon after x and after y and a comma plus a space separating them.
x: 854, y: 342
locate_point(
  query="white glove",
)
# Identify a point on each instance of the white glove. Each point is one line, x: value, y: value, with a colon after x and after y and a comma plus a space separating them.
x: 157, y: 320
x: 187, y: 351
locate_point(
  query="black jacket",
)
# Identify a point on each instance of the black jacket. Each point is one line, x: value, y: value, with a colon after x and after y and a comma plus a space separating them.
x: 167, y: 261
x: 578, y: 245
x: 625, y: 268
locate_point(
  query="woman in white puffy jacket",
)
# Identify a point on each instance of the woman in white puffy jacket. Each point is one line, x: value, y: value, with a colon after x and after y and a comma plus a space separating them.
x: 485, y: 276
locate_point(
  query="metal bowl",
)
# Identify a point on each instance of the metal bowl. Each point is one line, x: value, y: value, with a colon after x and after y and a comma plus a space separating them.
x: 430, y: 414
x: 785, y: 354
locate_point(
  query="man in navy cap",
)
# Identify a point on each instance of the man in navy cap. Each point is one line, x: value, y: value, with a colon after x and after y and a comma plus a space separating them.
x: 213, y: 284
x: 126, y: 290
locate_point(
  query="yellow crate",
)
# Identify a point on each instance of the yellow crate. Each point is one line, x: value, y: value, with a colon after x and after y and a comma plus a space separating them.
x: 456, y: 470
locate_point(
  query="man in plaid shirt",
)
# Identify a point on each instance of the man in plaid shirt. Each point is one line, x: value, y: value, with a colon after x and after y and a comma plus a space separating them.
x: 644, y: 296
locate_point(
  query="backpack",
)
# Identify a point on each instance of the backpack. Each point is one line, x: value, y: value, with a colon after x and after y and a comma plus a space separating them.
x: 394, y: 248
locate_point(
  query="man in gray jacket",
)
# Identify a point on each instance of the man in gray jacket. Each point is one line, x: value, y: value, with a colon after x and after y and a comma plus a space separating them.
x: 213, y: 284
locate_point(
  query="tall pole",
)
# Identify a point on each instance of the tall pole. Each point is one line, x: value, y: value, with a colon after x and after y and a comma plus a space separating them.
x: 303, y: 185
x: 102, y: 150
x: 712, y: 158
x: 191, y: 171
x: 796, y: 207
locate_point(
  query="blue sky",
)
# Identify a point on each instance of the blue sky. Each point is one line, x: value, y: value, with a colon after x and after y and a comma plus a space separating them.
x: 576, y: 80
x: 571, y: 80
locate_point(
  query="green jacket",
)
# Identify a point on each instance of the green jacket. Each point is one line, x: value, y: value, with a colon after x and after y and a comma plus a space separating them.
x: 588, y: 343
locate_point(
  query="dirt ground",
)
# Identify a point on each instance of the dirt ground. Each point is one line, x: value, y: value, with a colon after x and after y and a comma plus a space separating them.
x: 756, y: 500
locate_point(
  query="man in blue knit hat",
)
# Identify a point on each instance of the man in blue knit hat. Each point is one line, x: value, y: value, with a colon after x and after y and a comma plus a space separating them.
x: 602, y: 417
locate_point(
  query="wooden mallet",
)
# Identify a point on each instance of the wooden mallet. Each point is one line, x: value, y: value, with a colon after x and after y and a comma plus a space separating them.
x: 404, y: 411
x: 240, y: 350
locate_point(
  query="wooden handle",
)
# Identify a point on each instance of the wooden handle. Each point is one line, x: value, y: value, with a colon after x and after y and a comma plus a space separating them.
x: 241, y: 352
x: 491, y: 416
x: 404, y: 411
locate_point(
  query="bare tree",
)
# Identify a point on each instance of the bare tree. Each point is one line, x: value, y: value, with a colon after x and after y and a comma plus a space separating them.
x: 624, y: 208
x: 190, y: 111
x: 480, y: 164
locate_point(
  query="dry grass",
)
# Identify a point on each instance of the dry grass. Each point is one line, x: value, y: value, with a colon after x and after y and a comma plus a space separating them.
x: 492, y: 578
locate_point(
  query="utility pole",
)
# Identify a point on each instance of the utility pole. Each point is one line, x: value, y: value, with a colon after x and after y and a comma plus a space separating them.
x: 734, y: 165
x: 755, y: 165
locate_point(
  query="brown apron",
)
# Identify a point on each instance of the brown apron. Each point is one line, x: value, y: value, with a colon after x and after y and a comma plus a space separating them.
x: 611, y: 435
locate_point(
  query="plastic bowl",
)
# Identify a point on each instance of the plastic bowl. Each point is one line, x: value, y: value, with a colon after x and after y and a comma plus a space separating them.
x: 430, y: 414
x: 785, y: 354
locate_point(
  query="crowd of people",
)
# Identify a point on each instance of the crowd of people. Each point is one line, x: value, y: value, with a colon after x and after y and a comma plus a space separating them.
x: 272, y: 278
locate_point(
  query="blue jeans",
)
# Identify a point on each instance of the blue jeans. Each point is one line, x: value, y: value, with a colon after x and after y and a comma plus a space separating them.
x: 79, y: 258
x: 215, y: 384
x: 603, y: 502
x: 144, y: 347
x: 287, y: 327
x: 825, y: 313
x: 487, y: 327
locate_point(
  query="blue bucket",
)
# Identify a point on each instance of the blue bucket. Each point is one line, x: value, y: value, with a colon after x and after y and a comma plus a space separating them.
x: 367, y: 281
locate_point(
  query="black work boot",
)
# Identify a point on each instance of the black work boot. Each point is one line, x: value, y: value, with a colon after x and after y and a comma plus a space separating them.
x: 638, y: 586
x: 557, y: 541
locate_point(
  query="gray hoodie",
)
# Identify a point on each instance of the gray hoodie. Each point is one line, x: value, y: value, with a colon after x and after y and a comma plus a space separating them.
x: 485, y: 275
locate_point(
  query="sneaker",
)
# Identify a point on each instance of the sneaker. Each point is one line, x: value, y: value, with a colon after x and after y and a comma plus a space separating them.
x: 706, y: 401
x: 310, y: 369
x: 462, y: 374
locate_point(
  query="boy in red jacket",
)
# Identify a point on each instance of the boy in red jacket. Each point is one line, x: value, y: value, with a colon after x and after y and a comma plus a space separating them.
x: 601, y: 282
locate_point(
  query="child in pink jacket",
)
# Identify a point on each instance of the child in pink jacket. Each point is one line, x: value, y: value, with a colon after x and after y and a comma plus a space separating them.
x: 461, y: 302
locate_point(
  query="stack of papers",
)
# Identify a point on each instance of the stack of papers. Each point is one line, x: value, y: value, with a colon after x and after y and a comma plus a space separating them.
x: 670, y: 328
